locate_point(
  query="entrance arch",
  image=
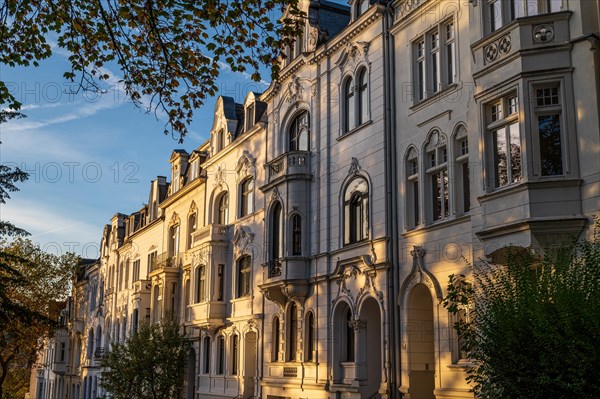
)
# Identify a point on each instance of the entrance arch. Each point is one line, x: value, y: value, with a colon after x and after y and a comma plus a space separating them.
x: 369, y: 359
x: 421, y: 355
x: 250, y: 343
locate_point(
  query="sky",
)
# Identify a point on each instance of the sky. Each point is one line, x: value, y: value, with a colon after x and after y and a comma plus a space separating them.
x: 88, y: 156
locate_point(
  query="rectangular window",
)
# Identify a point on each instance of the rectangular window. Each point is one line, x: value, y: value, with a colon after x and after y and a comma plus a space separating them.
x: 206, y: 368
x: 136, y: 270
x: 234, y: 354
x: 450, y: 54
x: 505, y: 141
x: 152, y: 261
x: 62, y: 351
x: 201, y: 284
x: 435, y: 60
x: 548, y: 113
x: 220, y: 355
x: 220, y: 282
x: 502, y: 12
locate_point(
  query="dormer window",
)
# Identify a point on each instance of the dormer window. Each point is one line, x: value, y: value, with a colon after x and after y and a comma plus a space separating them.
x: 361, y: 7
x: 220, y: 140
x: 194, y: 170
x: 175, y: 181
x: 250, y: 117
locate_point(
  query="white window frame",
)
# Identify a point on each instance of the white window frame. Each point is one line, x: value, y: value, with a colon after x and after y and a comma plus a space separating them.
x: 501, y: 116
x: 435, y: 65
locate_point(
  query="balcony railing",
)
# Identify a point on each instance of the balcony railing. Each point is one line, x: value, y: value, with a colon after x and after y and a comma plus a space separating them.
x: 100, y: 353
x: 167, y: 260
x: 275, y: 268
x: 211, y: 232
x: 296, y: 163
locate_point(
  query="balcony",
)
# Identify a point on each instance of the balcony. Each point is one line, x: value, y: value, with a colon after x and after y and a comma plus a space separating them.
x: 291, y: 165
x: 207, y: 313
x: 166, y: 262
x: 59, y: 367
x: 212, y: 232
x: 292, y: 268
x: 141, y: 287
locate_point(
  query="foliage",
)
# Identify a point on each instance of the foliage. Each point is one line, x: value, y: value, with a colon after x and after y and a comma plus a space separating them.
x: 170, y: 51
x: 532, y: 326
x: 150, y: 364
x: 33, y: 283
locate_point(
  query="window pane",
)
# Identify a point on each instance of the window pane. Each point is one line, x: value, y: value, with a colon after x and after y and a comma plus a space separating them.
x: 466, y: 187
x: 532, y: 7
x: 421, y: 69
x: 500, y: 158
x: 416, y: 209
x: 550, y: 145
x: 362, y: 99
x: 555, y: 5
x: 495, y: 14
x: 517, y: 8
x: 436, y: 197
x: 515, y: 153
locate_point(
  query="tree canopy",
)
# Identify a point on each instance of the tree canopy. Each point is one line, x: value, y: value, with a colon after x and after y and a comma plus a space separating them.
x: 531, y: 328
x: 150, y: 364
x: 34, y: 284
x: 169, y: 52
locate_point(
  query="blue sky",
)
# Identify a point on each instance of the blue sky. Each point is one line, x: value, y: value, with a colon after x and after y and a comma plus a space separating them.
x: 88, y: 156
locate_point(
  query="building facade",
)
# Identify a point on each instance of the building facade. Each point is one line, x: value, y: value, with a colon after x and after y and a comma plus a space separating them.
x: 306, y: 246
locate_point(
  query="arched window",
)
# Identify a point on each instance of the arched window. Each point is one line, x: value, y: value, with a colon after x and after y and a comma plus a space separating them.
x: 462, y: 182
x: 349, y: 106
x: 363, y: 102
x: 174, y: 240
x: 206, y: 348
x: 361, y: 7
x: 436, y: 167
x: 244, y: 269
x: 220, y: 355
x: 276, y: 231
x: 275, y: 348
x: 220, y: 144
x: 298, y: 133
x: 223, y: 209
x: 356, y: 204
x: 296, y: 235
x: 98, y: 338
x: 309, y: 339
x: 90, y: 344
x: 349, y: 337
x: 412, y: 189
x: 246, y: 198
x: 192, y: 220
x: 200, y: 283
x: 234, y: 342
x: 292, y: 332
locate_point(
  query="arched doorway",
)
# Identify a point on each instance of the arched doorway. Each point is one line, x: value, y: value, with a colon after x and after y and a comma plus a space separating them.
x: 250, y: 341
x: 368, y: 334
x: 191, y: 374
x: 421, y: 356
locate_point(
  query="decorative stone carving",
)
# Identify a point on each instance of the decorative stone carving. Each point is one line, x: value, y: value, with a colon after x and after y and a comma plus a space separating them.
x: 497, y: 49
x: 242, y: 238
x: 357, y: 324
x: 245, y: 166
x: 352, y: 55
x: 354, y: 167
x: 219, y: 176
x: 436, y: 139
x: 543, y: 33
x: 276, y: 194
x: 294, y: 90
x: 419, y: 274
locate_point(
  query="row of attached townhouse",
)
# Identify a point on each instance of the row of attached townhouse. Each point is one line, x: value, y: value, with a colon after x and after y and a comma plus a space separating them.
x: 306, y: 246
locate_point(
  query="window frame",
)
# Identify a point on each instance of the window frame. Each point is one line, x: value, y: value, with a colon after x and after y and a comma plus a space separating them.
x: 222, y: 209
x: 206, y: 348
x: 309, y: 338
x: 356, y: 199
x: 434, y: 58
x: 296, y: 234
x: 244, y: 276
x: 462, y: 171
x: 545, y: 110
x: 501, y: 114
x: 437, y: 175
x: 292, y: 333
x: 220, y: 355
x: 276, y: 331
x: 247, y: 196
x: 299, y: 126
x: 200, y: 292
